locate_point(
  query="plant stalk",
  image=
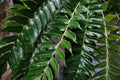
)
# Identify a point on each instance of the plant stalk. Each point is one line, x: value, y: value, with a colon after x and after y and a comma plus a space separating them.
x: 106, y: 48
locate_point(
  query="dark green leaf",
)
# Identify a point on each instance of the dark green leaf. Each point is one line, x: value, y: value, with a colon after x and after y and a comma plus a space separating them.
x: 112, y: 28
x: 69, y: 34
x: 55, y: 66
x: 110, y: 17
x: 48, y: 73
x: 61, y: 55
x: 5, y: 48
x: 66, y: 45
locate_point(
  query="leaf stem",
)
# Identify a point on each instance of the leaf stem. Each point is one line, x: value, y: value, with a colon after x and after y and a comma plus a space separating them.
x: 83, y: 43
x: 106, y: 48
x: 67, y: 26
x: 57, y: 46
x: 84, y: 38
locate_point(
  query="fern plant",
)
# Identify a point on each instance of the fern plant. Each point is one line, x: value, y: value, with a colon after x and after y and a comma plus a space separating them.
x: 109, y: 67
x: 50, y: 34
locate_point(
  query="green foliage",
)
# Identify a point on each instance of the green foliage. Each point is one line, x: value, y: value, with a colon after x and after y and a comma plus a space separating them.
x: 72, y: 31
x: 114, y: 6
x: 109, y: 67
x: 79, y: 65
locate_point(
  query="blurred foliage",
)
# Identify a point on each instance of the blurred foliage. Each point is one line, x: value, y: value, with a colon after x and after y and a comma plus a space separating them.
x: 50, y: 32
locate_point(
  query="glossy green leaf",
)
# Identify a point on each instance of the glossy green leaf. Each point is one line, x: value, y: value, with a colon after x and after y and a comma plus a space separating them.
x: 82, y: 8
x: 51, y: 7
x: 102, y: 56
x: 55, y: 66
x: 9, y: 39
x: 79, y: 16
x: 49, y: 30
x: 114, y: 70
x: 112, y: 28
x: 12, y: 24
x: 96, y: 18
x: 39, y: 64
x: 113, y: 37
x: 66, y: 45
x: 114, y: 63
x: 69, y: 34
x: 29, y: 37
x: 75, y: 25
x: 47, y: 45
x: 114, y: 46
x: 110, y: 17
x: 44, y: 78
x: 96, y: 9
x: 22, y: 12
x: 48, y: 73
x: 113, y: 77
x: 105, y: 5
x: 5, y: 48
x: 47, y: 12
x: 57, y: 3
x: 18, y: 19
x: 114, y: 54
x: 100, y: 65
x: 31, y: 4
x: 12, y: 29
x: 61, y: 55
x: 101, y: 72
x: 43, y: 17
x: 66, y: 10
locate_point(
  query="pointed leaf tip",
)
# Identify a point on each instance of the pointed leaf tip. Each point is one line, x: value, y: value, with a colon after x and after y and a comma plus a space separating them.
x: 71, y: 35
x: 61, y: 55
x: 55, y: 66
x: 48, y: 73
x: 66, y: 44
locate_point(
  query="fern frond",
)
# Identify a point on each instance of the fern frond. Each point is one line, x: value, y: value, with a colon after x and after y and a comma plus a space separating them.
x: 108, y: 68
x: 47, y: 35
x: 53, y: 49
x: 79, y: 66
x: 29, y: 29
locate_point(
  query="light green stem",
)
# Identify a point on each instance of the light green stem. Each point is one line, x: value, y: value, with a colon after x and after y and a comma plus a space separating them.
x: 106, y: 48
